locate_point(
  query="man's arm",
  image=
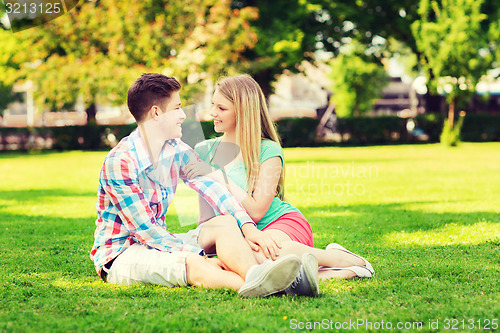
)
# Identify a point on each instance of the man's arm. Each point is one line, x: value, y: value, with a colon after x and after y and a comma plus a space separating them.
x: 120, y: 181
x: 206, y: 211
x: 213, y: 192
x: 218, y: 197
x: 225, y: 203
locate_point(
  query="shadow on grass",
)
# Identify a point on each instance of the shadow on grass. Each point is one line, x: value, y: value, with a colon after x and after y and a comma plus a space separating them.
x: 370, y: 224
x: 46, y: 256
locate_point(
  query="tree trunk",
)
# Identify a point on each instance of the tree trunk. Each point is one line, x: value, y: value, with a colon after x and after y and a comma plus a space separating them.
x: 451, y: 114
x: 356, y: 112
x: 91, y: 112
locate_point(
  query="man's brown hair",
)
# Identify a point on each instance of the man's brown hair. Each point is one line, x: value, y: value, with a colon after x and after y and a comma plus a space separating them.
x: 148, y: 90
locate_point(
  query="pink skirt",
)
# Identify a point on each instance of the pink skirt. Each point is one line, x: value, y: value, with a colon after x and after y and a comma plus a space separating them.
x: 295, y: 226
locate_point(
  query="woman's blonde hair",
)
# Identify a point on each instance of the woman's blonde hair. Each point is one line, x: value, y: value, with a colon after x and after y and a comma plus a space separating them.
x: 253, y: 123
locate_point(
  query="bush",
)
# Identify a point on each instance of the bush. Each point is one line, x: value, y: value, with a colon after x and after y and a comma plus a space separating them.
x: 431, y: 124
x: 481, y: 127
x: 372, y: 130
x: 451, y: 135
x: 294, y: 132
x: 297, y: 132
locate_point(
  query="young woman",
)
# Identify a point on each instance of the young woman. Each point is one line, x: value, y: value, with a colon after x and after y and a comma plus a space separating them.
x: 251, y: 160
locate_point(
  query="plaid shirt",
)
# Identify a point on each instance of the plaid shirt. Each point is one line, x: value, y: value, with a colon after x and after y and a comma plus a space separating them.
x: 133, y: 198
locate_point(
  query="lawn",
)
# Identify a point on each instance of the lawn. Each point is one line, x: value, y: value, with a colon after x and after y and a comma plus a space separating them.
x: 427, y: 218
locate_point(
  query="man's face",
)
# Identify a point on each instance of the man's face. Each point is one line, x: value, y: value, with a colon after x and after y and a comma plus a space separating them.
x: 172, y: 117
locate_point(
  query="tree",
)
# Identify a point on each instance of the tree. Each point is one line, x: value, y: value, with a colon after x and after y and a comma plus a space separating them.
x: 99, y: 48
x: 8, y: 62
x: 453, y: 47
x: 357, y: 82
x: 367, y: 21
x: 287, y: 35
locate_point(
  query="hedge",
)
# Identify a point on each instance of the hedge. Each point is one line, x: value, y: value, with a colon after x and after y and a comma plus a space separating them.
x: 295, y: 132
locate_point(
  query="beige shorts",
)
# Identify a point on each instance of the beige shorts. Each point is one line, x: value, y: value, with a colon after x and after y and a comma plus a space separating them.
x: 143, y: 264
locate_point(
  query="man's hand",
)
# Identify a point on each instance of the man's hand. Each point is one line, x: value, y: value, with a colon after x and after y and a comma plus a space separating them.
x: 258, y: 239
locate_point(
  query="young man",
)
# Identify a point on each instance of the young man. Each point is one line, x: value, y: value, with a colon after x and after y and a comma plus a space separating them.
x: 136, y: 185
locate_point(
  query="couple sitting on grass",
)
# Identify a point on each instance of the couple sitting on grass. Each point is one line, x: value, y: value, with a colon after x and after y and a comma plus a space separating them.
x: 263, y: 245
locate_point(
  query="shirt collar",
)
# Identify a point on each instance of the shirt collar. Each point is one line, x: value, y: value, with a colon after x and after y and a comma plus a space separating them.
x: 143, y: 159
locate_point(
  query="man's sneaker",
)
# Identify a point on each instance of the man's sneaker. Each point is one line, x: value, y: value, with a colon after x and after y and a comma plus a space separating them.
x: 306, y: 282
x: 270, y: 277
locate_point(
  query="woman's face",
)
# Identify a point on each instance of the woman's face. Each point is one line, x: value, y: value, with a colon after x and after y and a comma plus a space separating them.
x: 223, y: 113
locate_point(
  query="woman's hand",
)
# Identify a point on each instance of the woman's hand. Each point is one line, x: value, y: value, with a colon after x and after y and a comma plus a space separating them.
x: 258, y: 239
x: 197, y: 168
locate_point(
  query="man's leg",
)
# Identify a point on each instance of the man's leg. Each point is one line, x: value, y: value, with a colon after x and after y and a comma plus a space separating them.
x: 142, y: 264
x: 201, y: 273
x: 233, y: 250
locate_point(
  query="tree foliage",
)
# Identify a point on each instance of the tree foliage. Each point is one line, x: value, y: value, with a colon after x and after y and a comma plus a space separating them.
x: 287, y: 33
x: 100, y: 47
x: 454, y: 47
x: 365, y: 20
x: 357, y: 82
x: 96, y: 50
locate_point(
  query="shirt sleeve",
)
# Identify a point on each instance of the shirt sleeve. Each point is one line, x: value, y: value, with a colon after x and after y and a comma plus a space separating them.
x: 201, y: 149
x: 120, y: 182
x: 270, y: 149
x: 204, y: 150
x: 212, y: 191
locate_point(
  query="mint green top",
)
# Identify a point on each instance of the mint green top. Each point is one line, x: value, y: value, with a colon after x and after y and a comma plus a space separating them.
x: 237, y: 173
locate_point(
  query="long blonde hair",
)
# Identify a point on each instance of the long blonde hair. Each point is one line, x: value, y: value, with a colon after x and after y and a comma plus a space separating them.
x: 253, y: 123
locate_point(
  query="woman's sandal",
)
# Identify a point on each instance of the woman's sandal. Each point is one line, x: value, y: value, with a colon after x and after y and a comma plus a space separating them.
x: 335, y: 246
x: 360, y: 271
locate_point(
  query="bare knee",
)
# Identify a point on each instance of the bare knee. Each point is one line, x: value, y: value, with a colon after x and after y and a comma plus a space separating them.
x: 223, y: 221
x: 215, y: 228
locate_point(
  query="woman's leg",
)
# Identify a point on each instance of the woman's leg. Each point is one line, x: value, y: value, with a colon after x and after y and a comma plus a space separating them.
x: 336, y: 274
x: 329, y: 258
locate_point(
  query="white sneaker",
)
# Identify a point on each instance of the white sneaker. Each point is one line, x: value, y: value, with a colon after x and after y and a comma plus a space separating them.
x: 270, y: 277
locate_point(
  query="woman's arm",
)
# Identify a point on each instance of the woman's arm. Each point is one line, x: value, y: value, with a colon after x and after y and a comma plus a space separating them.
x: 257, y: 203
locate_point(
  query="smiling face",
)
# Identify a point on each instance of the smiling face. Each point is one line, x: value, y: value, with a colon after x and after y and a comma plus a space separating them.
x: 171, y: 116
x: 223, y: 113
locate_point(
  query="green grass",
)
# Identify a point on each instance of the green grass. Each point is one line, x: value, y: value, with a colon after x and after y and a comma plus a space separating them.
x: 426, y: 217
